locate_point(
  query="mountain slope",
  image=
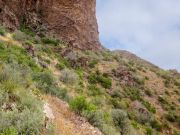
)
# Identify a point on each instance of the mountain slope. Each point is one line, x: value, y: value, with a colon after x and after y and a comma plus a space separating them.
x: 114, y: 91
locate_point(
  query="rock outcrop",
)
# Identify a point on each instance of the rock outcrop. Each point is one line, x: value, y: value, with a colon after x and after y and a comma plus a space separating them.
x: 73, y: 21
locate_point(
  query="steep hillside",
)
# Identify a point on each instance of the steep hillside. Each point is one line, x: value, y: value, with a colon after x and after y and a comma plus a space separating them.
x: 116, y: 92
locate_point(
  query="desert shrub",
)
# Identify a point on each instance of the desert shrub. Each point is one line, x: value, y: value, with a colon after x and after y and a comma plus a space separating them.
x: 19, y: 36
x: 27, y: 31
x: 60, y: 66
x: 93, y: 90
x: 177, y: 83
x: 105, y: 82
x: 149, y: 131
x: 116, y: 94
x: 120, y: 120
x: 156, y: 125
x: 175, y: 132
x: 28, y: 42
x: 92, y: 78
x: 17, y: 55
x: 26, y: 122
x: 148, y: 92
x: 92, y: 63
x: 80, y: 73
x: 46, y: 82
x: 171, y: 116
x: 51, y: 41
x: 167, y: 83
x: 97, y: 78
x: 139, y: 113
x: 139, y: 81
x: 69, y: 76
x: 20, y: 109
x: 149, y: 107
x: 162, y: 100
x: 94, y: 117
x: 9, y: 131
x: 80, y: 105
x: 119, y: 104
x: 98, y: 101
x: 108, y: 129
x: 2, y: 31
x: 133, y: 93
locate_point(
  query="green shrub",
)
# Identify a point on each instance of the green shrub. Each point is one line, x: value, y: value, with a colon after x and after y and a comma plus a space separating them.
x: 2, y: 31
x: 175, y: 132
x: 108, y: 129
x: 51, y: 41
x: 44, y: 78
x: 97, y: 78
x: 139, y: 81
x: 120, y: 120
x: 46, y: 82
x: 119, y: 104
x: 19, y: 36
x: 137, y: 114
x: 162, y: 100
x: 69, y: 76
x: 28, y: 42
x: 148, y: 106
x: 27, y: 31
x: 116, y: 94
x: 98, y: 100
x: 26, y: 122
x: 133, y: 93
x: 156, y: 125
x: 15, y: 54
x: 95, y: 118
x: 60, y: 66
x: 105, y: 82
x: 93, y: 63
x: 80, y: 105
x: 25, y: 111
x: 92, y: 78
x: 148, y: 92
x: 171, y: 116
x: 9, y: 131
x: 93, y: 90
x: 149, y: 131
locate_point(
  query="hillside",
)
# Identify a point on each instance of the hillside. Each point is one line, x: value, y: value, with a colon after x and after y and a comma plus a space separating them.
x: 47, y: 87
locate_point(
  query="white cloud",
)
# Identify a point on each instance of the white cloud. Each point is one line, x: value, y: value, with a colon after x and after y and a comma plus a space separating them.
x: 149, y: 28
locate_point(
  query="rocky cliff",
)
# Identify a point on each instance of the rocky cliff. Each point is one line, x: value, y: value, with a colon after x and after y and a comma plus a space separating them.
x: 72, y: 21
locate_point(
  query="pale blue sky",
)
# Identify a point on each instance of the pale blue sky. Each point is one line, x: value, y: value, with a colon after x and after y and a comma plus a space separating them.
x: 148, y: 28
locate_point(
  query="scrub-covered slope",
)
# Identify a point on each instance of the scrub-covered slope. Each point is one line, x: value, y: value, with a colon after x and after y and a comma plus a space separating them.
x: 116, y: 92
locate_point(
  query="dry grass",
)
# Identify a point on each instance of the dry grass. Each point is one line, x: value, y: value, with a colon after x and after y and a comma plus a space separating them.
x: 66, y: 122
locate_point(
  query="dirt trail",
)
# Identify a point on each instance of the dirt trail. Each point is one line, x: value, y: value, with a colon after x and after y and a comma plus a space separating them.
x: 66, y: 122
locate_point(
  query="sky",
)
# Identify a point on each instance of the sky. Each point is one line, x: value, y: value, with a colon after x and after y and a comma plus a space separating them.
x: 147, y: 28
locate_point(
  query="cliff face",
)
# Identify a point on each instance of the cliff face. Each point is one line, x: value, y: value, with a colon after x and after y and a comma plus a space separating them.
x: 73, y: 21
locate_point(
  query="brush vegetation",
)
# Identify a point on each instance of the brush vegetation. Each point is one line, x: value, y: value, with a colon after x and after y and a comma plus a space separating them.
x: 117, y: 94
